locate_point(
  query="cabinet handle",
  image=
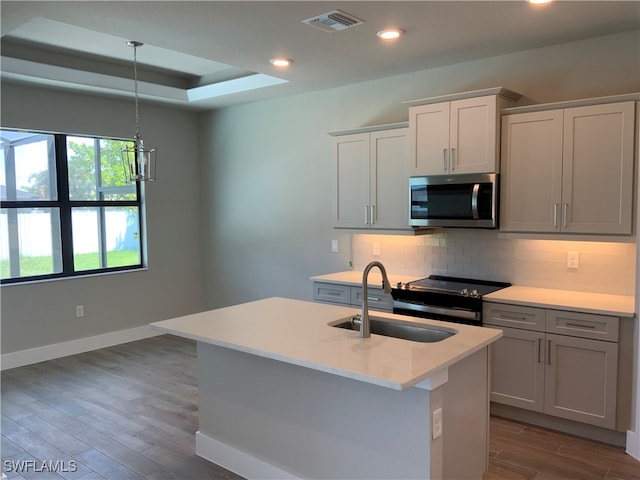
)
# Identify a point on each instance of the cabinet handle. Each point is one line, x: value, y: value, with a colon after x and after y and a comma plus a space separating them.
x: 555, y: 215
x: 453, y: 159
x: 539, y: 350
x: 512, y: 317
x: 579, y: 325
x: 366, y: 214
x: 444, y: 159
x: 564, y: 214
x: 373, y: 299
x: 549, y: 352
x: 373, y: 214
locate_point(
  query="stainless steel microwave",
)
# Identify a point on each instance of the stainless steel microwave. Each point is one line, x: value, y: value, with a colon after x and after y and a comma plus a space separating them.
x: 458, y: 201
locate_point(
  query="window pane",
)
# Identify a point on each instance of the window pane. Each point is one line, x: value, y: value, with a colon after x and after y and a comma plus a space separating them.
x: 114, y: 186
x: 30, y: 242
x: 105, y: 237
x: 28, y: 170
x: 96, y: 171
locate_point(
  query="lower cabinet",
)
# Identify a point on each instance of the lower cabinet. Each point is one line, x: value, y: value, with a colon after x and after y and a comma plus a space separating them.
x: 351, y: 295
x: 571, y: 375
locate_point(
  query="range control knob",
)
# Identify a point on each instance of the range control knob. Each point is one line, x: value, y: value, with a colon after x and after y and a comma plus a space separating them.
x: 475, y: 293
x: 464, y: 292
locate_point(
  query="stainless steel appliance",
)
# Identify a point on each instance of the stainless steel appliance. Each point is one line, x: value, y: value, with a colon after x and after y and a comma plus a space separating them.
x: 451, y: 299
x: 459, y: 201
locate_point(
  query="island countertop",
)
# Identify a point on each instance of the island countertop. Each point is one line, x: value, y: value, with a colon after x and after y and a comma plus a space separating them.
x: 297, y: 332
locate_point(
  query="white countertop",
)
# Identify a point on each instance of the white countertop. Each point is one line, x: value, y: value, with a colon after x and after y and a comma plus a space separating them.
x: 296, y: 332
x: 604, y: 304
x: 354, y: 278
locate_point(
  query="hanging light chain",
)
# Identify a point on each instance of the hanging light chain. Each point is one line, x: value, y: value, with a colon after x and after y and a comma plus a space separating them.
x: 140, y: 162
x: 135, y: 45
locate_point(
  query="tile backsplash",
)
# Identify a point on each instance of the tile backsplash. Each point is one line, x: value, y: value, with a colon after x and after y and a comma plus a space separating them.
x: 604, y: 267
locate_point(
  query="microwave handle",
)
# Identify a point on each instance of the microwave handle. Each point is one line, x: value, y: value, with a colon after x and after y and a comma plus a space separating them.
x: 474, y: 201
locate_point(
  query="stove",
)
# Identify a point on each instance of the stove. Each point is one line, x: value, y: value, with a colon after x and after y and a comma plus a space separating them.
x: 451, y: 299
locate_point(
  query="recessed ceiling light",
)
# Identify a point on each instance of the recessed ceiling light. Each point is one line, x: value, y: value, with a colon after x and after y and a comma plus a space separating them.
x: 281, y: 62
x: 390, y: 33
x: 539, y: 2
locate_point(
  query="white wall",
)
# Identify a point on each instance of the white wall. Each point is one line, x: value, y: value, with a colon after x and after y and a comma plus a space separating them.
x: 44, y: 313
x: 268, y: 169
x: 605, y: 267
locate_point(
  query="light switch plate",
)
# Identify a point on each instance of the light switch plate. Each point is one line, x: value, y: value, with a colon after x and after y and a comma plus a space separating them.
x: 436, y: 423
x: 376, y: 249
x: 334, y: 246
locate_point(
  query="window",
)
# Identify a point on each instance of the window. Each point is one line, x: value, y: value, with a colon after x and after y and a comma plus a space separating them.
x: 66, y: 208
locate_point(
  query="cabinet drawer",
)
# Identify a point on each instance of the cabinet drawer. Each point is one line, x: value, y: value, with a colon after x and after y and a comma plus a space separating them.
x: 528, y: 318
x: 378, y: 299
x: 585, y: 325
x: 332, y: 292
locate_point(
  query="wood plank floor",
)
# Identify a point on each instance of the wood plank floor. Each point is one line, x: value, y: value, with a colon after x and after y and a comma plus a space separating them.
x: 131, y: 411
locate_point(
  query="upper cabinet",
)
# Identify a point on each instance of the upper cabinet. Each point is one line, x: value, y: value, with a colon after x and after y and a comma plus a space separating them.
x: 460, y: 135
x: 569, y: 170
x: 370, y: 179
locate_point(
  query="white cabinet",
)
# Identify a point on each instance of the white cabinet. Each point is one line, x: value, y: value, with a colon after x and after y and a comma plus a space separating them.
x: 459, y: 136
x: 555, y: 362
x: 569, y: 170
x: 371, y: 180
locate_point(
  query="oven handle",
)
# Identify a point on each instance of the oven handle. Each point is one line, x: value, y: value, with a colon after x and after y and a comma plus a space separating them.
x: 474, y: 201
x: 419, y: 307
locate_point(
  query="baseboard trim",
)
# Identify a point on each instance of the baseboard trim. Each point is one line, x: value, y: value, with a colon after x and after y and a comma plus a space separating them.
x: 238, y: 461
x: 73, y: 347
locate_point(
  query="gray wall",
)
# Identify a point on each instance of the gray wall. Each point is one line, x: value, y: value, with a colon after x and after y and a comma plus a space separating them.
x: 44, y: 313
x: 262, y: 226
x: 268, y: 169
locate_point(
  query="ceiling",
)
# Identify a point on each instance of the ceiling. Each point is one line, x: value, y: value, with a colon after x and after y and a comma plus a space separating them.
x: 210, y: 54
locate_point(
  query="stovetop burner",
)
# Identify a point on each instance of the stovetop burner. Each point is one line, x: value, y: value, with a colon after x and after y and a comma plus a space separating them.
x: 453, y: 286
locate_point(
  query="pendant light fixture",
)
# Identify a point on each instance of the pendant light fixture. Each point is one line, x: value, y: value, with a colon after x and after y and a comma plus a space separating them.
x: 139, y: 161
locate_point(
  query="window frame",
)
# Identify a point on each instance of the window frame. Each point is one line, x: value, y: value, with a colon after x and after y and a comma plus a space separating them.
x: 66, y: 206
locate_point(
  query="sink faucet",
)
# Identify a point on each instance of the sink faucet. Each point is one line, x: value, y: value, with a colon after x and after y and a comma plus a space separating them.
x: 365, y: 325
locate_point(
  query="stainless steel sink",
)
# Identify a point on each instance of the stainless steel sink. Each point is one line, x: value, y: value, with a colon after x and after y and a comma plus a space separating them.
x: 397, y: 329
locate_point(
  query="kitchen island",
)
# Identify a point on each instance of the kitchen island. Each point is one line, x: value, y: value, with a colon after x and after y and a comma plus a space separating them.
x: 283, y: 394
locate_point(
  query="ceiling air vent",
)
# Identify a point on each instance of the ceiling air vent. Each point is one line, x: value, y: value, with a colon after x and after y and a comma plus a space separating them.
x: 333, y: 21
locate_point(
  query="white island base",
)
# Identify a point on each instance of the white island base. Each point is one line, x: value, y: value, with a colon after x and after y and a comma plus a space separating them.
x: 282, y: 394
x: 263, y: 418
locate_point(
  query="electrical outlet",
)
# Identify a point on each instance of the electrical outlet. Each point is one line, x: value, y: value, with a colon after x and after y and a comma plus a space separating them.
x: 573, y: 260
x: 376, y: 249
x: 334, y: 246
x: 79, y: 311
x: 436, y: 423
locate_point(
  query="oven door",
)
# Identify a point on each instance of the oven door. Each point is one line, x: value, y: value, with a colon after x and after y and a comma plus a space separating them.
x: 467, y: 201
x: 446, y: 314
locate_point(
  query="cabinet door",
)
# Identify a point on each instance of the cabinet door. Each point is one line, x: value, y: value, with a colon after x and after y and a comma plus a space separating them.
x: 517, y: 369
x: 377, y: 299
x: 473, y: 135
x: 515, y: 316
x: 332, y: 292
x: 531, y: 180
x: 429, y: 139
x: 389, y: 180
x: 597, y: 187
x: 351, y: 170
x: 581, y: 380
